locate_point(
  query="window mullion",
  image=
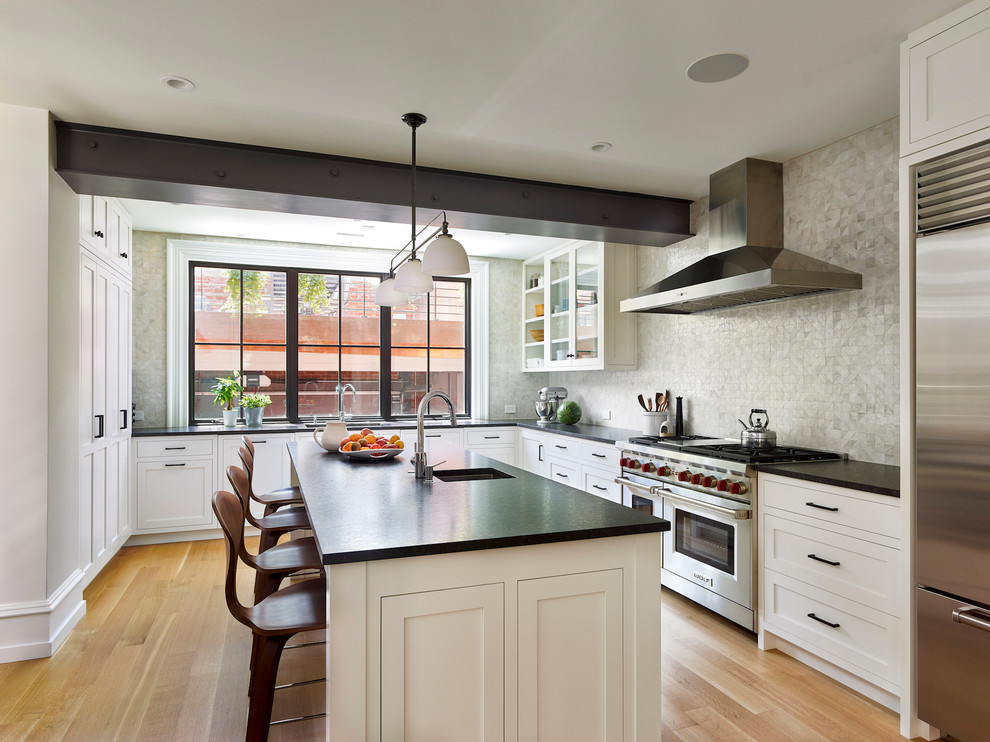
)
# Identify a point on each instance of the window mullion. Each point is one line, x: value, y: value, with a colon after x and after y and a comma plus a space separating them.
x: 292, y: 345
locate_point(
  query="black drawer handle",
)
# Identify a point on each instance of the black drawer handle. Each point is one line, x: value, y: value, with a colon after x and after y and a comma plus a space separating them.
x: 823, y: 561
x: 100, y: 431
x: 174, y: 464
x: 822, y: 620
x: 175, y: 448
x: 599, y: 455
x: 432, y: 435
x: 557, y: 445
x: 562, y: 476
x: 123, y: 417
x: 492, y: 437
x: 821, y: 507
x: 257, y: 442
x: 599, y: 487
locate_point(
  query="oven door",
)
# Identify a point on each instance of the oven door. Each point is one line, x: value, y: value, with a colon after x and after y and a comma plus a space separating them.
x: 710, y: 544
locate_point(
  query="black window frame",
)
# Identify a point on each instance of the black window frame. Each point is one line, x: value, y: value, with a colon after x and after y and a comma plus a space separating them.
x: 292, y: 339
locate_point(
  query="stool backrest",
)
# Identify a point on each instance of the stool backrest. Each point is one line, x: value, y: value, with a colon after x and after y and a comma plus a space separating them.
x: 238, y: 479
x: 247, y: 458
x: 230, y: 515
x: 248, y: 443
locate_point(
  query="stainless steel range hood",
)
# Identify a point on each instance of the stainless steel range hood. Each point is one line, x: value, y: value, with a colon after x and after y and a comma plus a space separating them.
x: 748, y: 263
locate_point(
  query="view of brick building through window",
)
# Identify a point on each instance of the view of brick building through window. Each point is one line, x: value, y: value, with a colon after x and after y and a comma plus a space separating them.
x: 241, y: 320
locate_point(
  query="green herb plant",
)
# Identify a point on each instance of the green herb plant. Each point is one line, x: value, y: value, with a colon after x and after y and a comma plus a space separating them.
x: 226, y: 389
x: 255, y: 400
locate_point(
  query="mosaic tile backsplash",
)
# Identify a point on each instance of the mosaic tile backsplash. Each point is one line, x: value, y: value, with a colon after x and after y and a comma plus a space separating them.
x: 825, y: 368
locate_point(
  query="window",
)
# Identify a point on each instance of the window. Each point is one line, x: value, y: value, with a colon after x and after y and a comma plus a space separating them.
x: 328, y: 344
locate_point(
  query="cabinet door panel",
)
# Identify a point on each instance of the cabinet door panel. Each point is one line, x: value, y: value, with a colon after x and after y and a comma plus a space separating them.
x: 442, y: 674
x: 174, y: 494
x: 570, y: 657
x: 533, y: 452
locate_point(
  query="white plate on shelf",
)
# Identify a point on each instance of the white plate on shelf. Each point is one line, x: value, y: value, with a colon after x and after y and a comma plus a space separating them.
x: 373, y: 454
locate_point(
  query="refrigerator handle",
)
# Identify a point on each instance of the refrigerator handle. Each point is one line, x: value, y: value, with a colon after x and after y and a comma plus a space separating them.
x: 978, y: 619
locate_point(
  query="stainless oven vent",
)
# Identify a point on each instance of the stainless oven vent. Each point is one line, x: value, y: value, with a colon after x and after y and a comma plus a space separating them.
x: 954, y: 191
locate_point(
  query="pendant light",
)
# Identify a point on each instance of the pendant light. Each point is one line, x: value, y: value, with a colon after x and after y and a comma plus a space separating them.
x: 445, y: 256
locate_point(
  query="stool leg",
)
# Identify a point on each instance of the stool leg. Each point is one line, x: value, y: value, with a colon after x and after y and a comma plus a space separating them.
x: 265, y: 669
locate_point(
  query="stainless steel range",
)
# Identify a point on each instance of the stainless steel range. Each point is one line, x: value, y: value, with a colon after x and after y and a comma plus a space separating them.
x: 706, y: 488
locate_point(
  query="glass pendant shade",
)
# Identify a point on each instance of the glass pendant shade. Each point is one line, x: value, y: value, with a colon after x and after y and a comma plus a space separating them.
x: 445, y: 256
x: 410, y: 277
x: 386, y: 295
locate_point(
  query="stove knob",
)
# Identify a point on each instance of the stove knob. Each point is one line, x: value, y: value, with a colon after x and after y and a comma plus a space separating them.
x: 683, y: 476
x: 663, y: 471
x: 723, y: 485
x: 632, y: 464
x: 648, y: 467
x: 709, y: 482
x: 623, y: 462
x: 737, y: 488
x: 695, y: 479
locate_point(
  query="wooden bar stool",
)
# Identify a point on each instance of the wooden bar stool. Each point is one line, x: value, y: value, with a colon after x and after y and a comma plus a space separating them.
x: 292, y: 610
x: 271, y: 500
x: 273, y: 526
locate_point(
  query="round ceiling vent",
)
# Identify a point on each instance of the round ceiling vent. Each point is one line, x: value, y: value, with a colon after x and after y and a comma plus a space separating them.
x: 717, y: 67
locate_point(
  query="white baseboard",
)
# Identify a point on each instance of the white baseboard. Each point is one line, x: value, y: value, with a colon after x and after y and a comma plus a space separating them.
x: 143, y: 539
x: 29, y: 631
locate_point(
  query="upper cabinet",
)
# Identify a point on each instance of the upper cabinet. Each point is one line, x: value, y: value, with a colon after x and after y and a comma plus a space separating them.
x: 944, y: 68
x: 105, y: 230
x: 571, y: 308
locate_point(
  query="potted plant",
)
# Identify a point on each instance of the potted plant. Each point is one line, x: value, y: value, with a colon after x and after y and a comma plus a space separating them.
x: 225, y: 390
x: 254, y: 408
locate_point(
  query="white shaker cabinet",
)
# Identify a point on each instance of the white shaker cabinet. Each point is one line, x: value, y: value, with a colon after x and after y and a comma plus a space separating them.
x: 174, y: 481
x: 944, y: 68
x: 496, y: 443
x: 533, y: 451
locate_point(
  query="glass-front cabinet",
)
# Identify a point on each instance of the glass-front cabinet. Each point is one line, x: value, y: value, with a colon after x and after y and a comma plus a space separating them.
x: 571, y: 301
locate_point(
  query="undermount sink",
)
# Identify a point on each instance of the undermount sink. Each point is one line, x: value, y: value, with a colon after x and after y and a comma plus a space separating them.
x: 469, y: 475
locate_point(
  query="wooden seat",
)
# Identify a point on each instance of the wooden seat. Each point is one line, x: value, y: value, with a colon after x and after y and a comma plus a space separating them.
x: 274, y: 499
x: 273, y: 526
x: 273, y: 621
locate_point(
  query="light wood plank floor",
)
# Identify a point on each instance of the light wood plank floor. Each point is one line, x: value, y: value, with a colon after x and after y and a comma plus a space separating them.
x: 157, y: 657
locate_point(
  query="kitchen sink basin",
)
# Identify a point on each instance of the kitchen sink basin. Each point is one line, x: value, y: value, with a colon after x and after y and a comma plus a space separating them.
x: 469, y: 475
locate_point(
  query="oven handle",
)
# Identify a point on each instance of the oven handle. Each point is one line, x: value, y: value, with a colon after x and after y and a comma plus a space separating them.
x: 664, y: 492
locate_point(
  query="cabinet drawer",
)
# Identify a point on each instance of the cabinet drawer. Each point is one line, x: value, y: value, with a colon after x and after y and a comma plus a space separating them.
x: 448, y: 435
x: 563, y: 446
x: 602, y: 484
x: 163, y: 448
x: 490, y: 437
x: 829, y: 506
x: 565, y: 474
x: 860, y: 570
x: 863, y: 640
x: 600, y: 454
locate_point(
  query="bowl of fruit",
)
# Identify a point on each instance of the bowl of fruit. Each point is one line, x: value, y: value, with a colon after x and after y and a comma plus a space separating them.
x: 368, y: 445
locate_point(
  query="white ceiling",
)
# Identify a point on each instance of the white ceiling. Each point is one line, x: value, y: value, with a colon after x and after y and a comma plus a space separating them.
x: 519, y: 88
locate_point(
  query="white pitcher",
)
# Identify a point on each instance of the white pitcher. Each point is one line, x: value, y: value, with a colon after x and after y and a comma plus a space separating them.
x: 330, y: 436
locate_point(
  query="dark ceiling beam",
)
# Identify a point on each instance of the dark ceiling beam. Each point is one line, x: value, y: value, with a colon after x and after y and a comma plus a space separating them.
x: 156, y: 167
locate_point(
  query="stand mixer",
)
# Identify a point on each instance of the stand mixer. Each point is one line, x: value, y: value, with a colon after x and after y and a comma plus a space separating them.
x: 550, y: 398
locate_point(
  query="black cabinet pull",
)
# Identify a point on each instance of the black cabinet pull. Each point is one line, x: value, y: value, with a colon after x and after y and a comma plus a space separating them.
x: 432, y: 435
x: 557, y: 445
x: 124, y: 255
x: 174, y: 464
x: 175, y: 448
x: 823, y: 561
x: 99, y: 420
x: 562, y: 476
x: 98, y: 233
x: 599, y: 487
x: 123, y: 417
x: 821, y: 507
x: 598, y: 455
x: 257, y: 442
x: 540, y: 455
x: 490, y: 437
x: 822, y: 620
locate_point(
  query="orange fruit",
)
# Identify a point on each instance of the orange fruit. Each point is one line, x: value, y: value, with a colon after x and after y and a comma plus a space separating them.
x: 344, y: 442
x: 393, y: 439
x: 346, y: 446
x: 354, y: 436
x: 400, y: 444
x: 366, y: 432
x: 370, y: 438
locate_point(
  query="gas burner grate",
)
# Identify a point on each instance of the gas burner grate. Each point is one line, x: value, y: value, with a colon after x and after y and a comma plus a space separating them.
x: 775, y: 455
x: 656, y: 440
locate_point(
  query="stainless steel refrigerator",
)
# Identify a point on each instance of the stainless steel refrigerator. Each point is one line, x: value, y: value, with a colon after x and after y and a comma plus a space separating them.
x: 952, y: 548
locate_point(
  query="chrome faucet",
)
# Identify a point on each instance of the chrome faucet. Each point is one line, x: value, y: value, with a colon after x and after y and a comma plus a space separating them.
x: 340, y: 399
x: 419, y: 457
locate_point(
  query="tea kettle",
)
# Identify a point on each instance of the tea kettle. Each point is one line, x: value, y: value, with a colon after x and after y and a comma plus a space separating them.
x: 758, y: 435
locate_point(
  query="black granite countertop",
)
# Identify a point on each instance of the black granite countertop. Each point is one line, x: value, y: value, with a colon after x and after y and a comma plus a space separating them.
x: 599, y: 433
x: 287, y: 427
x: 369, y: 510
x: 881, y: 479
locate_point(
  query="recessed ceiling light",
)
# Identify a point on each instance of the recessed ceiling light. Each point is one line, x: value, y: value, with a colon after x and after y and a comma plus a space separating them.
x: 717, y: 67
x: 178, y: 83
x: 600, y: 147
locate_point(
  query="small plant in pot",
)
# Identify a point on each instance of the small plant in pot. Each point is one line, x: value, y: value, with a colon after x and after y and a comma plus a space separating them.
x: 225, y: 391
x: 254, y: 408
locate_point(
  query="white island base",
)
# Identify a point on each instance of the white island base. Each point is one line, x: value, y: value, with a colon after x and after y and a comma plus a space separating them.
x: 555, y: 642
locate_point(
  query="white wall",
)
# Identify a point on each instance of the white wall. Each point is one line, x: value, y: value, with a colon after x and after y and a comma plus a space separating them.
x: 24, y: 139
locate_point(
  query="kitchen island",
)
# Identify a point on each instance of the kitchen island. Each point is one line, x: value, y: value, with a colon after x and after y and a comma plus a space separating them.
x: 500, y: 609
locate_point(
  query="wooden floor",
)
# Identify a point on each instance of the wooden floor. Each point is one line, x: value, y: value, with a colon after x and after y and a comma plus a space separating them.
x: 157, y: 657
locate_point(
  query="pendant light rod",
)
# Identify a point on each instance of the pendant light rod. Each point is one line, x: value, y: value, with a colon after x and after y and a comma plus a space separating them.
x: 413, y: 121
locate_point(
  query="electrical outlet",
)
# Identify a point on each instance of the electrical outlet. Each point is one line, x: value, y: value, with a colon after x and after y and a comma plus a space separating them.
x: 510, y: 409
x: 607, y: 415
